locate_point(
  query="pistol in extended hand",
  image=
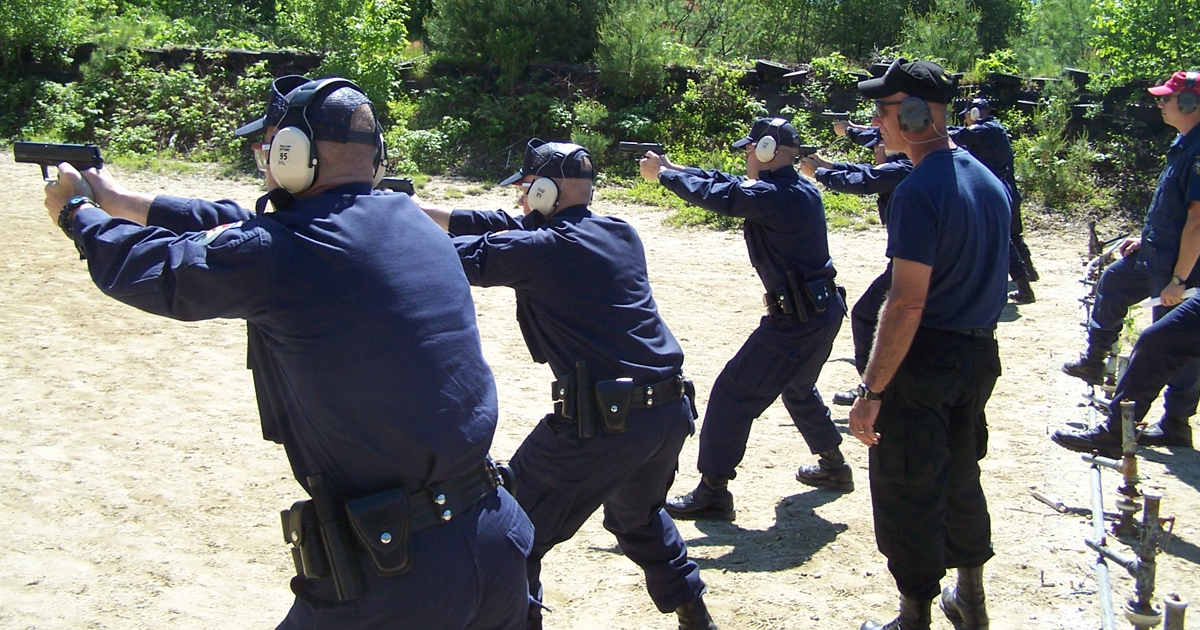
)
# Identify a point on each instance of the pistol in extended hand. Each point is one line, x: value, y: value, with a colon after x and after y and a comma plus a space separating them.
x: 397, y: 184
x: 806, y: 150
x: 639, y: 149
x: 81, y: 156
x: 832, y: 115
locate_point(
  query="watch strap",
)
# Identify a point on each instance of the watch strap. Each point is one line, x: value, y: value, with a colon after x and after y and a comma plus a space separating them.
x: 865, y: 393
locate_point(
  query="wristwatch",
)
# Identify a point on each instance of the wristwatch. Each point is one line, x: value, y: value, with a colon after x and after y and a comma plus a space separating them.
x: 865, y: 393
x: 1176, y: 281
x: 68, y: 213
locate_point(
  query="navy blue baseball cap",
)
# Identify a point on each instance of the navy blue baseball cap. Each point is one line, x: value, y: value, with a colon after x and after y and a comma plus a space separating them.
x: 562, y: 160
x: 277, y: 104
x: 785, y: 133
x: 923, y: 79
x: 982, y: 103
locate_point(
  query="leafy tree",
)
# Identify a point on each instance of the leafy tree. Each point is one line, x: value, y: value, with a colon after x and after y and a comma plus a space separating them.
x: 1148, y: 39
x: 513, y: 33
x: 634, y: 47
x: 997, y: 20
x: 946, y: 34
x: 363, y: 40
x: 1057, y: 34
x: 43, y: 30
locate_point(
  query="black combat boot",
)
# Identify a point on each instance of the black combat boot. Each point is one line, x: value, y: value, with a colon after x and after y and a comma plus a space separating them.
x: 694, y: 616
x: 1099, y: 439
x: 831, y: 471
x: 1089, y: 367
x: 710, y: 500
x: 914, y: 615
x: 846, y: 398
x: 1023, y: 294
x: 963, y: 603
x: 1168, y: 432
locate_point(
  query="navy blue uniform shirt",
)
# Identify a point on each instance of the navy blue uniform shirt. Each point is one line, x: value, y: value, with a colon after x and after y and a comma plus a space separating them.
x: 988, y: 141
x: 583, y: 293
x: 1178, y: 186
x: 866, y: 179
x: 952, y: 214
x: 784, y: 218
x: 363, y: 315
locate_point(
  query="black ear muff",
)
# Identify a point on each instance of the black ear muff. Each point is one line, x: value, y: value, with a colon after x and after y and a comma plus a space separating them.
x: 292, y: 163
x: 543, y: 196
x: 914, y: 115
x: 1187, y: 100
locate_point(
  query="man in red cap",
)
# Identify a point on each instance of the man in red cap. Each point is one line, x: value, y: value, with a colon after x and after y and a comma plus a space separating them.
x: 1161, y: 262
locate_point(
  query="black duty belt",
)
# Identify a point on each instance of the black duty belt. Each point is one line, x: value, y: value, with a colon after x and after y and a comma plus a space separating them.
x: 800, y: 299
x: 327, y: 534
x: 974, y: 333
x: 608, y: 402
x: 440, y: 502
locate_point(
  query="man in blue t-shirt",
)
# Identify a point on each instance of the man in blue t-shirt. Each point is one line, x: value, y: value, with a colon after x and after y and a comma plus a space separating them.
x: 935, y: 359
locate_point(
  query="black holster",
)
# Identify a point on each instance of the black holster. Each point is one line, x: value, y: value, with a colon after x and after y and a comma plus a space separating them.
x: 321, y: 546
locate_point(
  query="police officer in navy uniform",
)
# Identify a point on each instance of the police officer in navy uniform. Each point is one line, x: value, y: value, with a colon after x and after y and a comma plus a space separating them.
x: 785, y: 234
x: 880, y: 179
x: 935, y: 360
x: 989, y: 142
x: 380, y: 395
x: 622, y: 407
x: 1161, y: 263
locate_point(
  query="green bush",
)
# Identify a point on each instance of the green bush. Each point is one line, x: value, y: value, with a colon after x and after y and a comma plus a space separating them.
x: 843, y: 211
x: 1052, y: 167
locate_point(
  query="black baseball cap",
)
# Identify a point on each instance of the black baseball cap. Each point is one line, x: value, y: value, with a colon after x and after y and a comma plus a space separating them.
x: 562, y: 160
x: 277, y: 104
x: 982, y: 103
x: 785, y: 133
x: 923, y: 79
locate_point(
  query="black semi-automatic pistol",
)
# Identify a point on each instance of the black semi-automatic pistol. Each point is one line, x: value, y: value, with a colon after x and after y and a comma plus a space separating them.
x: 81, y: 156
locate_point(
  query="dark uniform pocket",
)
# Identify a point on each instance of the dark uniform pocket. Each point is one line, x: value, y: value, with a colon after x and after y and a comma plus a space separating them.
x: 913, y: 420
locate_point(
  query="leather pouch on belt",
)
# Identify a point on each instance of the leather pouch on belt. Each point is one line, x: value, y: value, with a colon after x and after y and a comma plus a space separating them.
x: 817, y: 292
x: 300, y: 528
x: 613, y: 398
x: 381, y: 523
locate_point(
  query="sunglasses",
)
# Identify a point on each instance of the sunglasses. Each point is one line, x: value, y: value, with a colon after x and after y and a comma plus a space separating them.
x: 262, y: 155
x: 880, y: 106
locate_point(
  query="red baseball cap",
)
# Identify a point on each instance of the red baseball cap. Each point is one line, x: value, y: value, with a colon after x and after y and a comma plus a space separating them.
x: 1179, y: 82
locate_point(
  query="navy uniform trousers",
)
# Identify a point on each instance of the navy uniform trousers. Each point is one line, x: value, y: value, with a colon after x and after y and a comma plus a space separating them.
x: 782, y: 356
x: 929, y: 507
x: 864, y: 317
x: 1166, y: 348
x: 1122, y: 285
x: 562, y: 479
x: 461, y: 579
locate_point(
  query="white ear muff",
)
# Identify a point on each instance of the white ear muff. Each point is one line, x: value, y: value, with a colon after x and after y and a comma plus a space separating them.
x: 766, y: 148
x: 292, y: 162
x: 974, y: 113
x: 543, y: 196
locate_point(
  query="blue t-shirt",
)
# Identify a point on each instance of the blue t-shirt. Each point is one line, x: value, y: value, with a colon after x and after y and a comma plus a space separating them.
x: 952, y: 214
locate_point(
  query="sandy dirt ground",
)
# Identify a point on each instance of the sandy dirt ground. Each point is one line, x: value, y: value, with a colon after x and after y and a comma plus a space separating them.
x: 136, y: 491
